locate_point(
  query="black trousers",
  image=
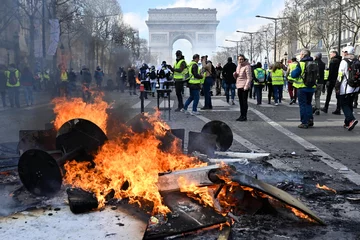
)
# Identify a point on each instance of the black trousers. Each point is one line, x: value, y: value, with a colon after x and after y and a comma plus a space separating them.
x: 179, y: 88
x: 270, y: 92
x: 346, y: 102
x: 243, y: 101
x: 330, y: 89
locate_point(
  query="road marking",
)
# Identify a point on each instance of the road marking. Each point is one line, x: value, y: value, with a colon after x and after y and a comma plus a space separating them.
x: 138, y: 104
x: 324, y: 157
x: 165, y: 104
x: 237, y: 138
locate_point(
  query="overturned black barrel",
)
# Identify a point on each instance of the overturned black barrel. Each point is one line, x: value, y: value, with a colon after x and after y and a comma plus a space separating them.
x: 224, y: 135
x: 41, y: 172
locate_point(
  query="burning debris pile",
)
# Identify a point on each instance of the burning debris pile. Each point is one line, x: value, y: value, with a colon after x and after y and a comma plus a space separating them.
x: 145, y: 165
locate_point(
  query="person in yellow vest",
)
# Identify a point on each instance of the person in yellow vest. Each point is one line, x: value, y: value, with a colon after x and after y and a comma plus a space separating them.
x: 291, y: 89
x: 195, y: 82
x: 277, y: 77
x: 305, y: 93
x: 179, y: 70
x: 13, y: 84
x: 326, y: 77
x: 259, y: 81
x: 45, y: 79
x: 64, y: 81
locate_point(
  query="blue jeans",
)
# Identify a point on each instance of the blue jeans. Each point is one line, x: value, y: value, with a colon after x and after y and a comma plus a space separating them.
x: 278, y: 93
x: 14, y: 96
x: 346, y: 103
x: 230, y: 87
x: 153, y: 87
x: 194, y: 96
x: 207, y: 87
x: 258, y: 93
x: 28, y: 91
x: 304, y: 98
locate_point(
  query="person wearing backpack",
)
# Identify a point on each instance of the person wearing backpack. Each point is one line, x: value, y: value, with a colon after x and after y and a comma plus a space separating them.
x: 319, y: 83
x: 292, y: 91
x: 348, y: 84
x: 259, y: 82
x: 305, y: 85
x: 13, y: 84
x: 144, y: 78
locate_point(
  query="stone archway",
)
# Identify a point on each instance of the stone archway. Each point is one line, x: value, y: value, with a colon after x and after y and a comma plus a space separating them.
x: 166, y: 26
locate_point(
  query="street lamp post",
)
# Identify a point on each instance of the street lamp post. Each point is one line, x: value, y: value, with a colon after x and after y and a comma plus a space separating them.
x: 237, y: 45
x: 251, y: 42
x: 285, y: 57
x: 275, y: 20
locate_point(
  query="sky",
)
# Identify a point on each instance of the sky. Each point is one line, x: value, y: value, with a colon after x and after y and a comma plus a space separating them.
x: 232, y: 14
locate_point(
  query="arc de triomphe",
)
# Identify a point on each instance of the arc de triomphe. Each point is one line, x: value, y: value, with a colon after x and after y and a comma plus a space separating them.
x: 166, y: 26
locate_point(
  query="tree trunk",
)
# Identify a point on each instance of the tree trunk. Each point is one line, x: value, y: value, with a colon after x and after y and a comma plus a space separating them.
x: 32, y: 44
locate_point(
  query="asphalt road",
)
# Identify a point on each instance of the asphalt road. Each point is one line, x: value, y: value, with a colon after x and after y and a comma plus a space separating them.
x: 327, y: 152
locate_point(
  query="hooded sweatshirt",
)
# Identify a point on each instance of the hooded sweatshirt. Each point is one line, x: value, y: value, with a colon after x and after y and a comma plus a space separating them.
x: 344, y: 87
x: 243, y: 75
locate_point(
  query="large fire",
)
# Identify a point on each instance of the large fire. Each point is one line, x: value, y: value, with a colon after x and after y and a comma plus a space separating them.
x: 132, y: 159
x: 95, y: 112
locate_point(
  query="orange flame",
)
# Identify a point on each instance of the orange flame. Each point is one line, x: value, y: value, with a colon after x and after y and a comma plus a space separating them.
x: 325, y: 188
x: 204, y: 195
x: 132, y: 159
x: 66, y: 110
x: 301, y: 214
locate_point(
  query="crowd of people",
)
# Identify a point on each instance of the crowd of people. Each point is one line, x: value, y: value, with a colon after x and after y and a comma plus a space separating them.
x: 304, y: 80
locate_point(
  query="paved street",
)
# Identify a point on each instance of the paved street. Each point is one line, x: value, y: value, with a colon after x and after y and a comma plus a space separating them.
x: 325, y: 154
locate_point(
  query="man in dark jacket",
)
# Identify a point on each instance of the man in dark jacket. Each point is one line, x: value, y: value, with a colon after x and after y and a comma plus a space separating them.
x: 319, y: 83
x: 218, y: 84
x: 333, y: 75
x: 3, y: 85
x: 121, y: 79
x: 228, y: 77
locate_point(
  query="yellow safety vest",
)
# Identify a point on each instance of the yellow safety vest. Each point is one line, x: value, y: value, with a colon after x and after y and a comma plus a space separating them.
x: 194, y: 80
x: 299, y: 83
x: 277, y: 77
x: 292, y: 66
x: 179, y: 76
x: 17, y: 75
x: 326, y: 75
x: 45, y: 76
x: 64, y: 77
x: 256, y: 72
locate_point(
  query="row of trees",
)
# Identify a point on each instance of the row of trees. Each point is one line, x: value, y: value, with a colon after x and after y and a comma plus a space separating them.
x: 92, y: 32
x: 312, y: 24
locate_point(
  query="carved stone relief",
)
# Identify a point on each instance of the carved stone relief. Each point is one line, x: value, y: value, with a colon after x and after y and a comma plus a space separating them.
x: 159, y: 38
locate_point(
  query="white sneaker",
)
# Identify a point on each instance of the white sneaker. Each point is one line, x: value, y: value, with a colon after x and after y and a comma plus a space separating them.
x: 195, y: 113
x: 276, y: 104
x: 182, y: 110
x: 186, y: 112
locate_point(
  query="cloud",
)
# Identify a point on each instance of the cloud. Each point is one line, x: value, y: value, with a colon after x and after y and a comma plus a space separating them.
x: 137, y: 21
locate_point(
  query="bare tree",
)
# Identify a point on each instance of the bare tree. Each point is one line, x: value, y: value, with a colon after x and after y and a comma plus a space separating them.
x: 351, y: 17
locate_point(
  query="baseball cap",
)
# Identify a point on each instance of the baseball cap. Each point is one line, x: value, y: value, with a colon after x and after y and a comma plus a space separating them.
x: 349, y: 49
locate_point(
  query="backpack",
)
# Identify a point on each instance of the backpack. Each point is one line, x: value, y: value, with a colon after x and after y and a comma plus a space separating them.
x: 213, y: 72
x: 12, y: 78
x: 162, y: 73
x: 143, y: 74
x: 354, y: 73
x: 311, y: 74
x: 86, y: 76
x: 296, y: 72
x: 152, y: 75
x: 261, y: 76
